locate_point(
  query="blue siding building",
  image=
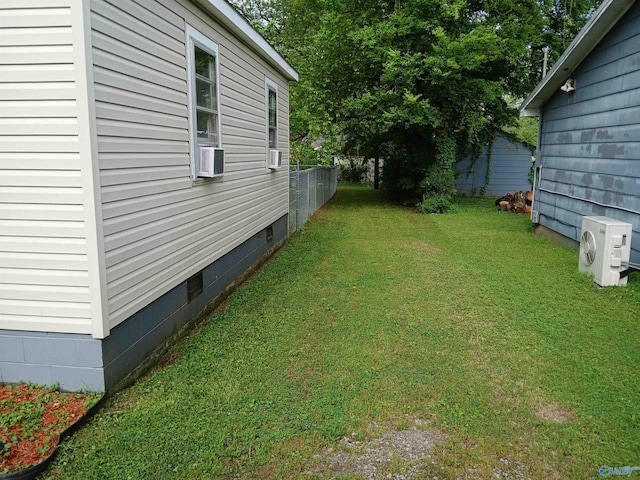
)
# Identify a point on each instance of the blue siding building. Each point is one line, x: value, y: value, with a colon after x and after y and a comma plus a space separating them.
x: 508, y: 168
x: 588, y: 160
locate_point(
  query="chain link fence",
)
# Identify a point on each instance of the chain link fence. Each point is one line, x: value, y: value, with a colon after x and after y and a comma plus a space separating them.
x: 309, y: 189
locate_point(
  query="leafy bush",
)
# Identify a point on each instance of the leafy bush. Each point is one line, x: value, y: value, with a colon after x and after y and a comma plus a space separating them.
x: 353, y: 172
x: 302, y: 152
x: 437, y: 204
x: 438, y: 183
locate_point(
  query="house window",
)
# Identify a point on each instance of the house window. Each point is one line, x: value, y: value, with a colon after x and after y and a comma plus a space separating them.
x: 203, y: 93
x: 272, y: 114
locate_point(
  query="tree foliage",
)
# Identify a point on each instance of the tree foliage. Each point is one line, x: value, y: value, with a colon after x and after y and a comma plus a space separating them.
x: 409, y: 80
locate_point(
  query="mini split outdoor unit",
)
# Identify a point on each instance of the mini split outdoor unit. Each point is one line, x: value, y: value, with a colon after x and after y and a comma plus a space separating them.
x: 605, y: 248
x: 211, y: 162
x: 275, y: 159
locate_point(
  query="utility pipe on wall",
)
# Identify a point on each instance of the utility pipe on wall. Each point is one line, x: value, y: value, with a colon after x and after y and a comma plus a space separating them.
x: 545, y: 59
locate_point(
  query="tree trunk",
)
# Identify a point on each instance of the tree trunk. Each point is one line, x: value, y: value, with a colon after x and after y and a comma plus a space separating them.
x: 376, y: 173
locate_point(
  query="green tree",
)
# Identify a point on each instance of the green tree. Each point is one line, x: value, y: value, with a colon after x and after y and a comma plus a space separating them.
x: 422, y: 76
x: 288, y: 26
x: 409, y: 80
x: 564, y: 19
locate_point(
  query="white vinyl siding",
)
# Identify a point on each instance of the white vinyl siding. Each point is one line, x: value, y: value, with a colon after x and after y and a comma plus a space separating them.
x: 44, y: 265
x: 159, y: 226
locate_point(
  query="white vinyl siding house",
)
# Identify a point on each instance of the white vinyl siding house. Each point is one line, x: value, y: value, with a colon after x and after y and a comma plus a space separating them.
x: 101, y: 214
x: 48, y: 237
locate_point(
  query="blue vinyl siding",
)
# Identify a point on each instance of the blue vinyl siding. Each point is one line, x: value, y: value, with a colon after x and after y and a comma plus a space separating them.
x: 510, y: 165
x: 590, y: 139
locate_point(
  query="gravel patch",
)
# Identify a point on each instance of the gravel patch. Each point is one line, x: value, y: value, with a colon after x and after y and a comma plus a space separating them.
x: 397, y: 455
x: 401, y: 455
x: 510, y: 470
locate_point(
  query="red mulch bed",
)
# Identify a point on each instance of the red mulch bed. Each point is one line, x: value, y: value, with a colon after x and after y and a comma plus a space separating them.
x: 31, y: 421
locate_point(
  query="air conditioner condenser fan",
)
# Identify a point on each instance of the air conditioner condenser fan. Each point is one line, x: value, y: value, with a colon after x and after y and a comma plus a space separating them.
x: 587, y: 247
x: 605, y: 249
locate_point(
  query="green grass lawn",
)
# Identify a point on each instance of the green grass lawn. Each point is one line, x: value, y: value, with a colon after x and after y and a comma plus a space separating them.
x: 375, y: 319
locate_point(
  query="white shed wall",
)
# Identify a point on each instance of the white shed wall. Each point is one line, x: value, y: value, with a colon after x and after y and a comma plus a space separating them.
x: 159, y: 226
x: 46, y: 254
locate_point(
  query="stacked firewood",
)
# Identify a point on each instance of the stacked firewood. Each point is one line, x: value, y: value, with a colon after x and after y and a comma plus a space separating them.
x: 519, y: 202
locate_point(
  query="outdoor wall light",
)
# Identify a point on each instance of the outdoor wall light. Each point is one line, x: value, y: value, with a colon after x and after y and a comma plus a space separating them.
x: 569, y: 85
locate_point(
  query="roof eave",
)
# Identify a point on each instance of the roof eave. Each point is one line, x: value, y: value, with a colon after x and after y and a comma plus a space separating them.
x: 603, y: 19
x: 224, y: 13
x: 530, y: 112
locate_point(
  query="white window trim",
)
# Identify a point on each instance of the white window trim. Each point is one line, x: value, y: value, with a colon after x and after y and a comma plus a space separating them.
x: 194, y: 37
x: 270, y: 85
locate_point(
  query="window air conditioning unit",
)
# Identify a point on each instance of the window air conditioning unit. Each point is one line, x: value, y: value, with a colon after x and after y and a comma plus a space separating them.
x: 275, y: 159
x: 211, y: 162
x: 605, y: 248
